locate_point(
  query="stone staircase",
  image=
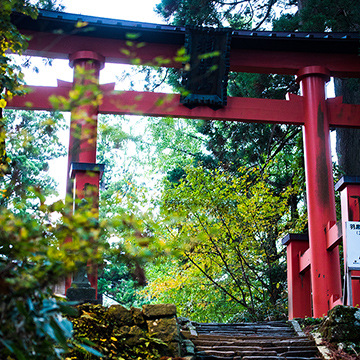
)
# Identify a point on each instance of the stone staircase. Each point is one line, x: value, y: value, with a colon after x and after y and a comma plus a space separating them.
x: 250, y: 341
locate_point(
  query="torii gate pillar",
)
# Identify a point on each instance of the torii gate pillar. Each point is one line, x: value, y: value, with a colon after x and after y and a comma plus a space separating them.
x: 325, y: 265
x: 83, y: 172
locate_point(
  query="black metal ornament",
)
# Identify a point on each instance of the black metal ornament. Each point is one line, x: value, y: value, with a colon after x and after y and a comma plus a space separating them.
x: 205, y: 74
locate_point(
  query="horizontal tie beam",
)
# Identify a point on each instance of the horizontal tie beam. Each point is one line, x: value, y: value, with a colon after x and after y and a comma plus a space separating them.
x: 163, y: 105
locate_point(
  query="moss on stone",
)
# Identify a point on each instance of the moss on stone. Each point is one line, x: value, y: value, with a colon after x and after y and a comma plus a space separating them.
x: 342, y: 324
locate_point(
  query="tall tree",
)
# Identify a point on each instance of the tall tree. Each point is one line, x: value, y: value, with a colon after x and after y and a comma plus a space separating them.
x: 344, y: 16
x: 28, y: 134
x: 250, y: 14
x: 227, y: 230
x: 341, y: 16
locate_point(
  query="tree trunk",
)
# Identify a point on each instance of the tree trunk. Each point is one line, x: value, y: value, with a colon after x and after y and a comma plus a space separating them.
x: 348, y: 140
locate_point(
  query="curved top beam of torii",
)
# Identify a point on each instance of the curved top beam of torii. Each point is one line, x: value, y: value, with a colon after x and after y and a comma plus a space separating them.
x: 55, y: 35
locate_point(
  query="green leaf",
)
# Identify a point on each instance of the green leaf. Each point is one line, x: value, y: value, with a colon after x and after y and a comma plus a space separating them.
x: 58, y: 332
x: 132, y: 36
x: 90, y: 350
x: 13, y: 349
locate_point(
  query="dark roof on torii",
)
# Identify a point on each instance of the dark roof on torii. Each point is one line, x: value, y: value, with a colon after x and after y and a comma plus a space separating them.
x: 53, y: 21
x: 55, y: 35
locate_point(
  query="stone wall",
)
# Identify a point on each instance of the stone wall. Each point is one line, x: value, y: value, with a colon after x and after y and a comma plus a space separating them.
x: 157, y: 320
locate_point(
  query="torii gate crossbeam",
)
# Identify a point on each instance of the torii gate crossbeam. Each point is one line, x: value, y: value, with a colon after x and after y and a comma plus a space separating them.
x: 289, y: 111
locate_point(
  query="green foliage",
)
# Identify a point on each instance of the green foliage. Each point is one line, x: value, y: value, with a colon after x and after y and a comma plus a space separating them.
x: 321, y: 15
x: 227, y: 228
x: 11, y: 40
x: 189, y: 12
x: 120, y: 179
x: 34, y: 255
x: 27, y: 135
x: 37, y: 329
x: 31, y: 326
x: 86, y: 91
x: 250, y: 14
x: 50, y: 5
x: 254, y: 287
x: 118, y: 282
x: 315, y: 15
x: 35, y: 251
x: 125, y: 193
x: 325, y: 15
x: 125, y: 196
x: 287, y: 22
x: 261, y: 85
x: 133, y: 232
x: 174, y: 143
x: 229, y: 145
x: 11, y: 77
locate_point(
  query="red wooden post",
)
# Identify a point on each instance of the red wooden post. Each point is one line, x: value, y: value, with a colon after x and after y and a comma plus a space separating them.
x: 299, y: 286
x: 325, y: 265
x: 83, y: 126
x: 83, y: 135
x: 349, y: 187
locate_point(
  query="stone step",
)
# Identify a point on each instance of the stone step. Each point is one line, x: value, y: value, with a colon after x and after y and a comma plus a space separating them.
x: 255, y: 341
x: 218, y: 353
x: 273, y: 358
x: 257, y: 334
x: 245, y: 328
x: 242, y: 326
x: 260, y: 323
x: 212, y: 357
x: 300, y: 353
x: 255, y: 352
x: 235, y: 335
x: 221, y: 354
x: 261, y: 357
x: 296, y: 351
x: 229, y: 347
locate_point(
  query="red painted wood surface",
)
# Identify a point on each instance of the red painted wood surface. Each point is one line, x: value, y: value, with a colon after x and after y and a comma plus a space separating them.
x: 325, y: 265
x: 299, y: 287
x: 161, y: 104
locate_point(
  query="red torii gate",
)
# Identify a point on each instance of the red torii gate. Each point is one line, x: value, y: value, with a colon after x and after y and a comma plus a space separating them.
x: 313, y: 58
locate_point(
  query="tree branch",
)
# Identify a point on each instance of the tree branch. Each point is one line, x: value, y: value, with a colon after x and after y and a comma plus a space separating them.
x: 270, y: 5
x: 215, y: 283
